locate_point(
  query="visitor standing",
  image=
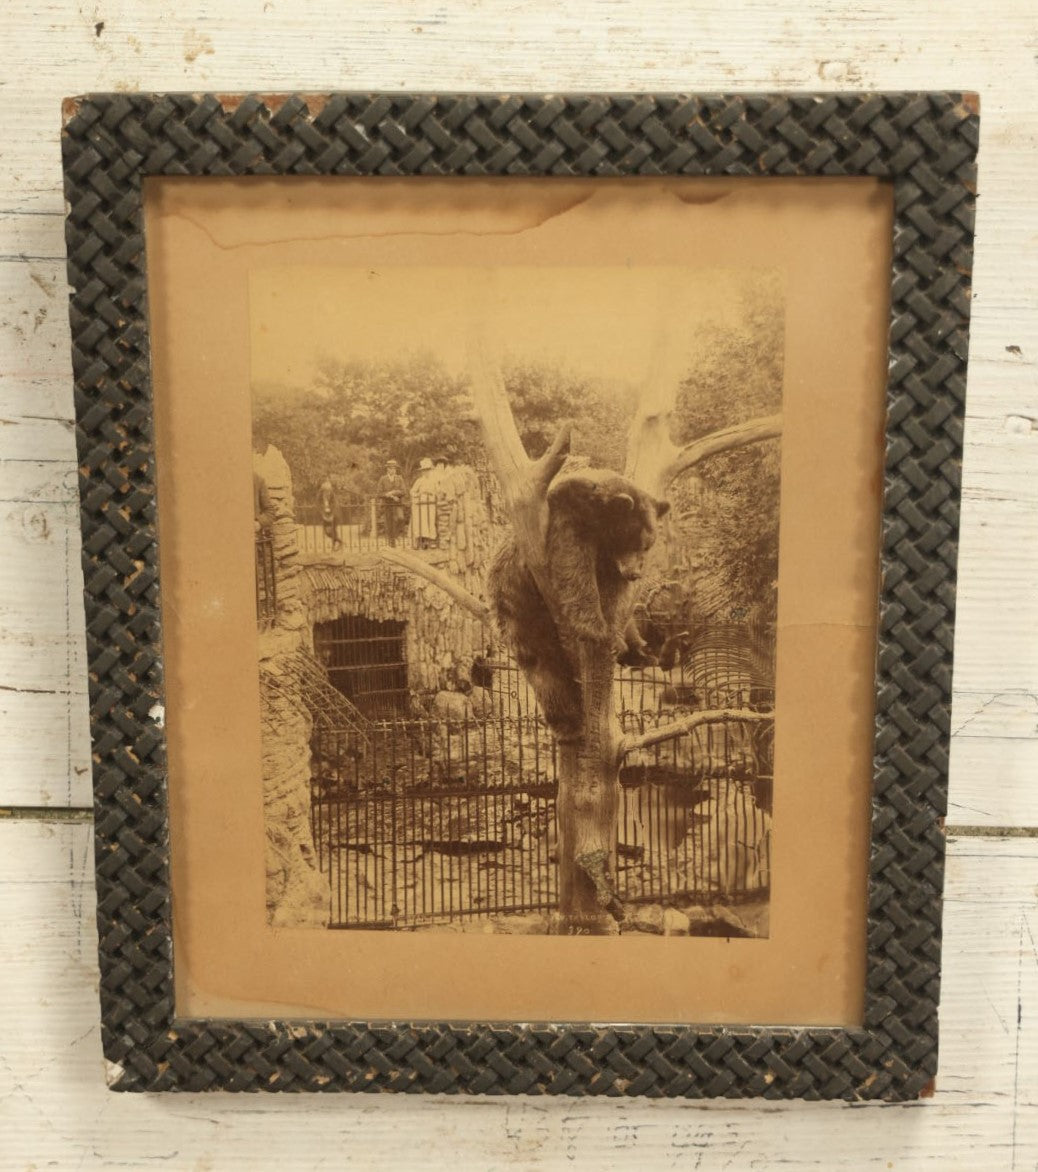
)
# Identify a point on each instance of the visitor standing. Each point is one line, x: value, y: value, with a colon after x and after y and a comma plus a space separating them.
x: 327, y: 508
x: 423, y: 506
x: 391, y: 492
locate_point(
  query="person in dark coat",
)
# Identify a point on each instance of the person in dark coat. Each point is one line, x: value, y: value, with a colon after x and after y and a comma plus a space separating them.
x: 391, y: 492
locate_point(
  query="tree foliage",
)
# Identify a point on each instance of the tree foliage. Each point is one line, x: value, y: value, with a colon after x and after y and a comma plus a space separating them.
x: 543, y: 397
x: 356, y: 415
x: 728, y: 507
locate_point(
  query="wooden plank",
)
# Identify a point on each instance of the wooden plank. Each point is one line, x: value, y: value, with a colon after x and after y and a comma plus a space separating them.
x: 994, y: 759
x: 532, y: 44
x: 996, y: 649
x: 31, y: 236
x: 34, y: 329
x: 43, y: 644
x: 984, y: 1114
x: 48, y: 762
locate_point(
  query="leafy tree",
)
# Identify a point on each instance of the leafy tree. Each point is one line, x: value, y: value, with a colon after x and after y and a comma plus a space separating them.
x: 730, y: 506
x: 542, y: 396
x: 403, y: 410
x: 357, y: 415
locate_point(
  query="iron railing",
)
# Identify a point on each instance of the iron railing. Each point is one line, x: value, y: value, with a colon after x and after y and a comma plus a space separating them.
x: 695, y: 815
x: 363, y: 523
x: 442, y: 806
x: 366, y: 661
x: 266, y: 580
x: 447, y: 820
x: 398, y: 860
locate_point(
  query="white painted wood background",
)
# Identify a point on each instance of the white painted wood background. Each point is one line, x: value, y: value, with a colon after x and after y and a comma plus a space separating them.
x: 54, y: 1110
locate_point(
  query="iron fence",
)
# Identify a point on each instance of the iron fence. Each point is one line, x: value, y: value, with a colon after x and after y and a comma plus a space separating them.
x: 695, y: 815
x: 396, y: 860
x: 404, y: 756
x: 437, y: 820
x: 360, y: 523
x: 366, y: 661
x: 441, y: 806
x: 266, y: 580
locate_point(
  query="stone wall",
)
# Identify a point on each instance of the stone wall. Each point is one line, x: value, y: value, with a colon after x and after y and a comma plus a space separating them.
x: 288, y: 572
x: 297, y: 892
x: 441, y: 637
x: 441, y: 641
x: 463, y: 521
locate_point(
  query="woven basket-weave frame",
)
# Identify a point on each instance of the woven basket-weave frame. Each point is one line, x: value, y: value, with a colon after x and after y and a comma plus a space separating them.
x: 925, y: 144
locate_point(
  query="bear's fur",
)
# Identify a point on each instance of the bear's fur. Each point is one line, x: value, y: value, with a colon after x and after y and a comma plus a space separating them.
x: 600, y: 529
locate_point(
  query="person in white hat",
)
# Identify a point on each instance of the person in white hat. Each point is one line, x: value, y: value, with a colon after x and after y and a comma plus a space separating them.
x: 423, y: 506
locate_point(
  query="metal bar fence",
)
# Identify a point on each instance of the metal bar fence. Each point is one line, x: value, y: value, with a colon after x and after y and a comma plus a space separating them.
x: 695, y: 816
x: 417, y: 827
x: 365, y: 660
x: 364, y: 523
x: 431, y: 821
x: 422, y: 820
x: 266, y: 581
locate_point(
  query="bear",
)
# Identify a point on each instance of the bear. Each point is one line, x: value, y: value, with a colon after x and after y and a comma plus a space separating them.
x: 600, y: 529
x: 649, y: 644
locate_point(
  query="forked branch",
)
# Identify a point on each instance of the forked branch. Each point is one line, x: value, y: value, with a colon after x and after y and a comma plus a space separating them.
x: 524, y: 482
x: 547, y: 466
x: 520, y: 476
x: 504, y: 445
x: 654, y: 461
x: 649, y: 446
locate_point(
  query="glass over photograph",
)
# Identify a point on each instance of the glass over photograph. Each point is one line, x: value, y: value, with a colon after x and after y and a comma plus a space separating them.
x: 516, y: 596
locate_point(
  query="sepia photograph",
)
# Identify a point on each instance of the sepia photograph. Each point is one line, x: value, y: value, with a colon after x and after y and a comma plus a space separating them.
x: 536, y: 626
x: 516, y: 553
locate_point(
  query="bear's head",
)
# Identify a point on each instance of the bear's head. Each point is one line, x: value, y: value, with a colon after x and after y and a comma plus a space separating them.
x: 619, y: 517
x: 634, y: 521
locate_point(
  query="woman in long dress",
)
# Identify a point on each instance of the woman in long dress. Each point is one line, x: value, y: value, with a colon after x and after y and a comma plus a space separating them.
x: 328, y: 509
x: 423, y: 506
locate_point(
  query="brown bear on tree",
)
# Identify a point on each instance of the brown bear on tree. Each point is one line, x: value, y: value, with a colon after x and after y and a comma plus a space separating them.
x: 600, y: 528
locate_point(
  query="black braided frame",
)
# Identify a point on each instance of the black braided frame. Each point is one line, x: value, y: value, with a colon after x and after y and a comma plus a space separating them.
x: 925, y: 144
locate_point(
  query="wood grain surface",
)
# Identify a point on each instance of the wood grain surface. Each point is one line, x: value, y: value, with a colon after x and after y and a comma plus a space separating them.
x: 54, y: 1111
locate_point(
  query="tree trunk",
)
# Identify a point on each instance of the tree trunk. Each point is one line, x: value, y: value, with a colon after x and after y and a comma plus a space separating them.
x: 589, y: 784
x: 588, y: 804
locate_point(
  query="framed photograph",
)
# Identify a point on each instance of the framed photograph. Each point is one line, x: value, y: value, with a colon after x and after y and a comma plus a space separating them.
x: 519, y: 543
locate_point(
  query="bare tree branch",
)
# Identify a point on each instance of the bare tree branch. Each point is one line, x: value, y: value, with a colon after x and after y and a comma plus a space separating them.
x: 546, y: 468
x: 421, y: 568
x: 504, y: 445
x: 524, y: 482
x: 684, y: 724
x: 752, y: 431
x: 653, y: 459
x: 649, y: 446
